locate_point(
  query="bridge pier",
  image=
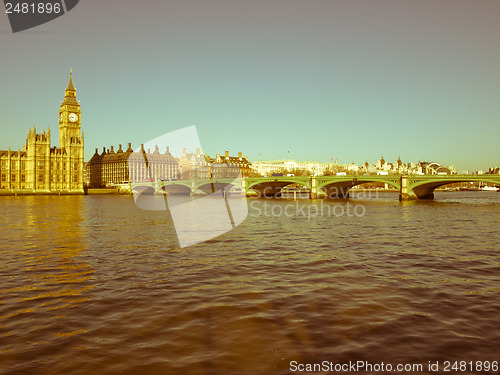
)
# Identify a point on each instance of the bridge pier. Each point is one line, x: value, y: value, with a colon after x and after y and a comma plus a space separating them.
x: 314, y: 188
x: 243, y: 187
x: 420, y: 192
x: 193, y: 189
x: 405, y: 194
x: 406, y: 197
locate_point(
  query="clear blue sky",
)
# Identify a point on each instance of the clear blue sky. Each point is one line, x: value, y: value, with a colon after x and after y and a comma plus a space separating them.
x: 315, y: 79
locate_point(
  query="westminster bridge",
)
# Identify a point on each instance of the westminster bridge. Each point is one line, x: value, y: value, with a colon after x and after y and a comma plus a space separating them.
x: 409, y: 186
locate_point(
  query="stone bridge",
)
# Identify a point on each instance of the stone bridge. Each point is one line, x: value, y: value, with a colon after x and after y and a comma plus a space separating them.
x: 188, y: 187
x: 409, y: 186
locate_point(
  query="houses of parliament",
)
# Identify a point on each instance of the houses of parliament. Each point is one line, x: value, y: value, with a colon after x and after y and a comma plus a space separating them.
x: 39, y: 168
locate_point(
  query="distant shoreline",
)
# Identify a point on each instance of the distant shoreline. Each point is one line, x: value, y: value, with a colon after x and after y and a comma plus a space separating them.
x: 113, y: 191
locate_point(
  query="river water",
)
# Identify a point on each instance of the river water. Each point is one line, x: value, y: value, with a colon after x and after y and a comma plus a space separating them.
x: 95, y: 285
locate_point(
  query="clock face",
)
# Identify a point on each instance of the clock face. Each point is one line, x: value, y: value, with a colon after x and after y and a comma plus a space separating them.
x: 73, y: 117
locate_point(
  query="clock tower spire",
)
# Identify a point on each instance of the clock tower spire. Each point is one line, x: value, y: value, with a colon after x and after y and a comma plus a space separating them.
x: 69, y: 116
x: 70, y: 84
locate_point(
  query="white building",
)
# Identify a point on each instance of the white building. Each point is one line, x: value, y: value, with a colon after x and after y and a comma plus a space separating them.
x: 267, y: 168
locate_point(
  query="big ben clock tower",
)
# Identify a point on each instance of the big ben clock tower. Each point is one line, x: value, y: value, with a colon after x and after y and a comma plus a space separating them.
x: 69, y: 116
x: 71, y: 137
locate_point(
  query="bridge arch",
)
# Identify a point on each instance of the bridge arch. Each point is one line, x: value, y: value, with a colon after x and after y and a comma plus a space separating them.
x: 271, y: 187
x: 422, y: 189
x: 340, y: 189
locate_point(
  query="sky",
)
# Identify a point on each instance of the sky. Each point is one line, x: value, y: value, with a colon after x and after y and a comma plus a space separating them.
x: 307, y: 80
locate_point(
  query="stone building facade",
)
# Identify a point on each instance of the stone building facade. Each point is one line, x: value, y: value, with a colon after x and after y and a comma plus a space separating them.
x: 40, y: 168
x: 197, y: 166
x: 228, y: 166
x: 117, y: 167
x: 120, y: 167
x: 193, y: 166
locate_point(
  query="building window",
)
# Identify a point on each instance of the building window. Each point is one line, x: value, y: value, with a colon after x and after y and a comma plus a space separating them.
x: 40, y: 178
x: 75, y: 178
x: 23, y: 165
x: 41, y: 165
x: 13, y: 164
x: 4, y: 163
x: 75, y: 166
x: 13, y: 178
x: 4, y: 177
x: 23, y: 178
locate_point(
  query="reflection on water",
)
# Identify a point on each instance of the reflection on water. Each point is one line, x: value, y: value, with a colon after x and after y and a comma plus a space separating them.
x: 43, y: 279
x: 95, y: 285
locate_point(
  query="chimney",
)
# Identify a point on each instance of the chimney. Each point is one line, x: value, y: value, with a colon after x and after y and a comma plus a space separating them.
x: 168, y: 150
x: 184, y: 151
x: 197, y: 152
x: 239, y: 155
x: 112, y: 151
x: 142, y: 146
x: 157, y: 150
x: 104, y: 150
x: 96, y: 150
x: 130, y: 146
x: 120, y: 148
x: 227, y: 154
x: 149, y: 150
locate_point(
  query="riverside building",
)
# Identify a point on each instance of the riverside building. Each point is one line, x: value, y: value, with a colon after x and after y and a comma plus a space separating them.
x: 117, y: 167
x: 124, y: 166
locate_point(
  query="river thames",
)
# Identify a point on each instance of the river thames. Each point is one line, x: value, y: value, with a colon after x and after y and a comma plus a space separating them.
x: 95, y: 285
